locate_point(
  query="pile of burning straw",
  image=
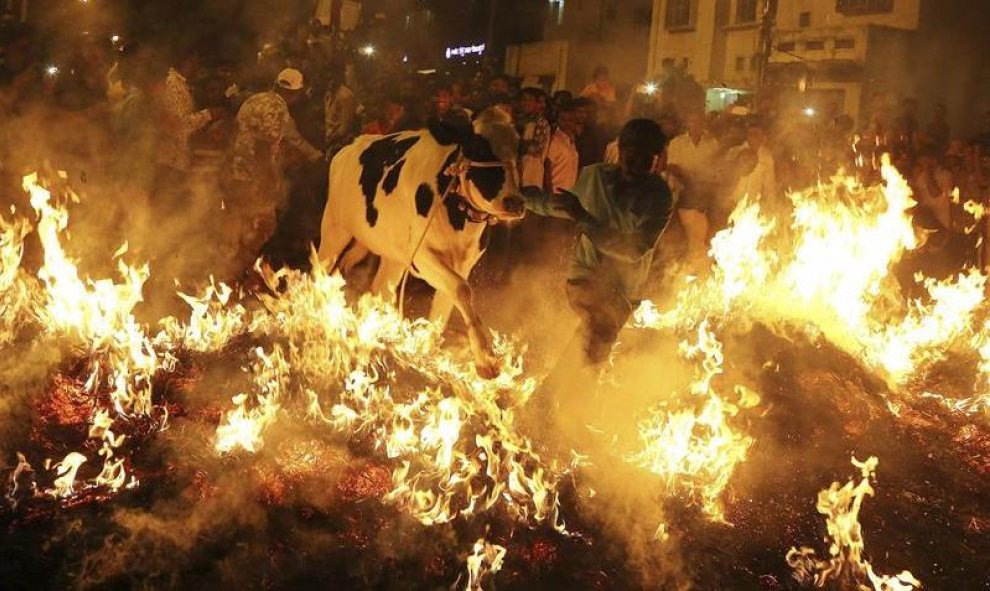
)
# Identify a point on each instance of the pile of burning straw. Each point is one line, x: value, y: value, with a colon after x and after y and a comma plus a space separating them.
x: 312, y: 435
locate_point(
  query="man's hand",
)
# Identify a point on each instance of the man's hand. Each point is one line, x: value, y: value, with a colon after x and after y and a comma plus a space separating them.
x: 570, y: 205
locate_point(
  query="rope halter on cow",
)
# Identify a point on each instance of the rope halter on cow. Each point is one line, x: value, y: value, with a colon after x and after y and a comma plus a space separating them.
x: 458, y: 174
x: 458, y: 171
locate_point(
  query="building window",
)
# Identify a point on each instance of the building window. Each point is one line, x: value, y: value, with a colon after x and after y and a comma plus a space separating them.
x: 787, y: 46
x: 846, y: 43
x: 864, y: 6
x: 740, y: 63
x: 557, y: 11
x: 667, y: 62
x: 685, y: 62
x: 678, y: 14
x: 814, y: 45
x: 804, y: 20
x: 746, y: 11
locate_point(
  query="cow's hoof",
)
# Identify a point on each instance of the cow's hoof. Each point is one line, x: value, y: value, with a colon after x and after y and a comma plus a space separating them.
x: 487, y: 368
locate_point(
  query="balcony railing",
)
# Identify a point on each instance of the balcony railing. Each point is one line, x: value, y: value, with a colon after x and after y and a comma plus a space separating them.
x: 858, y: 7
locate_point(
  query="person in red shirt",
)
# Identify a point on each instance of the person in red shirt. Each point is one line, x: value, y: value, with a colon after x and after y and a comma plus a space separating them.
x: 390, y: 120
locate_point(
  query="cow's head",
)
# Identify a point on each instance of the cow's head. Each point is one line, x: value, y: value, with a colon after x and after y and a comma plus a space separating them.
x: 490, y: 174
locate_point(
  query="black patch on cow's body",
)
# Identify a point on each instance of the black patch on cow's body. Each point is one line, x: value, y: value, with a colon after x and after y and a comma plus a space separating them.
x: 488, y: 180
x: 381, y: 156
x: 392, y: 178
x: 457, y: 217
x: 424, y: 199
x: 451, y: 129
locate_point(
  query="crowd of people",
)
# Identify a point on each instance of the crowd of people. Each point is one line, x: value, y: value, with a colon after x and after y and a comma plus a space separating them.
x: 172, y: 127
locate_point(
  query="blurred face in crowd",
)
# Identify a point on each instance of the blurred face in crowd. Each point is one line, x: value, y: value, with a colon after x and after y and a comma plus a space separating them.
x: 498, y: 86
x: 568, y: 122
x: 542, y: 102
x: 394, y: 111
x: 635, y: 162
x: 695, y: 125
x: 529, y: 105
x: 291, y: 96
x: 670, y: 126
x: 442, y: 101
x: 587, y: 114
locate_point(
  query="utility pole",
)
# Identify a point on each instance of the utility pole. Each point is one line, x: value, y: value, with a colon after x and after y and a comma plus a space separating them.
x: 492, y: 13
x: 767, y: 26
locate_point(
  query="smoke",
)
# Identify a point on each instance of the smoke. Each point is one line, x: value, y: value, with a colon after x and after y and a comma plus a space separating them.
x: 24, y: 374
x: 590, y: 413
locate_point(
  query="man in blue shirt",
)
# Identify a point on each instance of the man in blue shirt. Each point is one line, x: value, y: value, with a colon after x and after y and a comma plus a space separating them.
x: 621, y: 210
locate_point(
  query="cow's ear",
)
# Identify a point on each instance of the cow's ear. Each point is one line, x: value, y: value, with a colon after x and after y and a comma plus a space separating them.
x: 451, y: 130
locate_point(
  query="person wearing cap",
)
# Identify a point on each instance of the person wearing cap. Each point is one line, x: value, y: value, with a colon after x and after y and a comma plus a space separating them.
x: 621, y: 210
x: 264, y: 129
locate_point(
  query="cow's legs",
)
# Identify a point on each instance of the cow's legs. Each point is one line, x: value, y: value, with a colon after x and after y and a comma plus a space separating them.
x: 351, y: 258
x: 441, y: 308
x: 454, y: 286
x: 333, y: 241
x: 443, y: 304
x: 387, y: 278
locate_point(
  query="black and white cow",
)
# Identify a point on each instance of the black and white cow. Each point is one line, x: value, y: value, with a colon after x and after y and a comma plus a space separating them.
x: 391, y: 194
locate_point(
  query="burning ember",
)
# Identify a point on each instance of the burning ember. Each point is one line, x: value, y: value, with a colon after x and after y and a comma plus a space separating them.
x: 351, y: 437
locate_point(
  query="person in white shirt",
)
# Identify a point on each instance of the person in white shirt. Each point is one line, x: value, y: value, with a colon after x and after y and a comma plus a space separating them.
x: 600, y: 89
x: 761, y: 181
x: 534, y: 135
x: 562, y: 155
x: 693, y: 160
x: 340, y: 109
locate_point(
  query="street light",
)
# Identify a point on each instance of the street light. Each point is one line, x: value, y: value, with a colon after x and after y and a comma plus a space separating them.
x: 810, y: 112
x: 52, y: 71
x: 368, y: 50
x: 650, y: 88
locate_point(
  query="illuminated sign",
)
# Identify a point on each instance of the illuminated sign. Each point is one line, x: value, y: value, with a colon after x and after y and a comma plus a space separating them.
x: 465, y: 51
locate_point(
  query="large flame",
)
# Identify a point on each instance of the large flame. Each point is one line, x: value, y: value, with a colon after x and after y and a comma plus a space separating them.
x: 834, y: 278
x: 693, y: 446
